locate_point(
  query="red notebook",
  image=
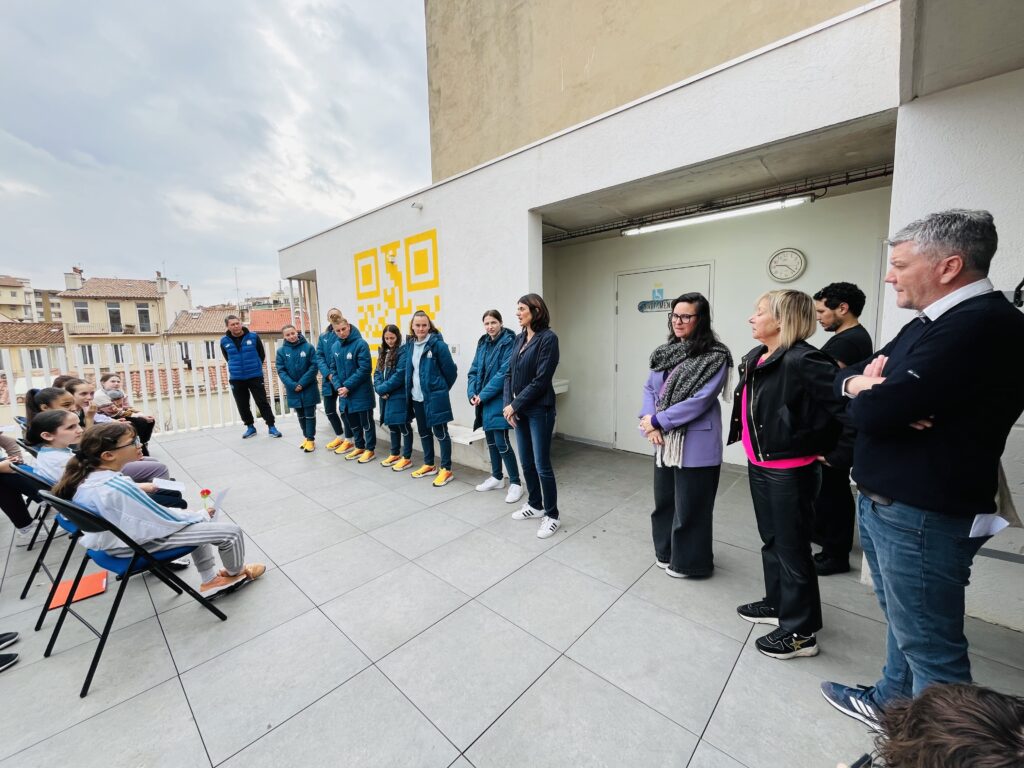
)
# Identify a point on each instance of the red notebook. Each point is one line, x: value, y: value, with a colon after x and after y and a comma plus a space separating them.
x: 93, y: 584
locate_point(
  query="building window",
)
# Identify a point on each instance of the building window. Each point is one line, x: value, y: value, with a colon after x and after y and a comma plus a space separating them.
x: 114, y: 313
x: 144, y: 322
x: 87, y: 355
x: 14, y: 294
x: 81, y: 311
x: 211, y: 350
x: 35, y: 357
x: 147, y: 353
x: 120, y: 356
x: 183, y: 351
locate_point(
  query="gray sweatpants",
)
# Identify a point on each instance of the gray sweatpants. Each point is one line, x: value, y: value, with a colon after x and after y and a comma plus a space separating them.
x: 146, y: 470
x: 227, y: 537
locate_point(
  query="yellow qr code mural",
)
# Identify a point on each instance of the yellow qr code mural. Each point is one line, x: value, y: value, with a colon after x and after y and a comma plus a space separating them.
x: 394, y: 280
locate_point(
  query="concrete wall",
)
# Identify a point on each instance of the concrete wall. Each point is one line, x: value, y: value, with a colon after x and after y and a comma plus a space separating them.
x: 961, y: 148
x: 502, y: 75
x: 840, y: 236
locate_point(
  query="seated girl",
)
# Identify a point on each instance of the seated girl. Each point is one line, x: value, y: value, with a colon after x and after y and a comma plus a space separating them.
x: 93, y: 480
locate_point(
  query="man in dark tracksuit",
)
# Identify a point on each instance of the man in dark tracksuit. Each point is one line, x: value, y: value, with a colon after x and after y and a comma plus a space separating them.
x: 245, y: 354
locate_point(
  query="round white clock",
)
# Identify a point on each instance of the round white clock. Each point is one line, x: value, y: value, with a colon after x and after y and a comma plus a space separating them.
x: 786, y: 265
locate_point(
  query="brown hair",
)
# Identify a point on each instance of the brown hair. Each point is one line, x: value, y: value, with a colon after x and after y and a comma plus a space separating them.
x: 72, y: 384
x: 95, y: 440
x: 334, y: 316
x: 953, y: 726
x: 60, y: 381
x: 492, y: 313
x: 420, y: 313
x: 540, y: 317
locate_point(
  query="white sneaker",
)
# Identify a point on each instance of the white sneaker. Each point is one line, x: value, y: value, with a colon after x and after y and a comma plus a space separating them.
x: 490, y: 484
x: 515, y: 493
x: 22, y: 536
x: 527, y: 512
x: 548, y: 526
x: 661, y: 565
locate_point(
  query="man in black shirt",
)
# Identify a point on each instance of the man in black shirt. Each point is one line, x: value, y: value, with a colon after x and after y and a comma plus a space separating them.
x: 838, y: 307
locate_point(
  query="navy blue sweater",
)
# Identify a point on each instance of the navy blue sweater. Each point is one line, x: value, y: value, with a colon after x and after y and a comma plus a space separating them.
x: 528, y: 383
x: 965, y: 372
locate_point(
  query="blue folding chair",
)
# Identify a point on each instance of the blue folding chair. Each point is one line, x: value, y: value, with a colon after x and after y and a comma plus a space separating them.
x: 141, y: 561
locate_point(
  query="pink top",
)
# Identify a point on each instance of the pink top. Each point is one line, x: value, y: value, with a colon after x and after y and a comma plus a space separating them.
x: 802, y: 461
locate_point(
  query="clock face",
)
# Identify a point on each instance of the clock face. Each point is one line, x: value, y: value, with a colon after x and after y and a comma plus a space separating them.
x: 786, y: 265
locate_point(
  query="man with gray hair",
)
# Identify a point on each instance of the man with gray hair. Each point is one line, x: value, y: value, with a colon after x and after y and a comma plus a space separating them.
x: 932, y: 410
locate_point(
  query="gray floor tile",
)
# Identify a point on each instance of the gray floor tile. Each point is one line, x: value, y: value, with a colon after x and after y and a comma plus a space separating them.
x: 994, y: 642
x: 478, y: 508
x: 304, y: 537
x: 258, y: 517
x: 706, y: 756
x: 349, y: 490
x: 551, y: 726
x: 550, y: 601
x: 365, y: 722
x: 386, y: 612
x: 239, y: 695
x: 378, y: 511
x: 154, y: 729
x: 524, y: 532
x: 613, y: 555
x: 330, y: 572
x: 748, y: 717
x: 318, y: 476
x: 476, y: 561
x: 135, y: 659
x: 675, y: 666
x: 465, y: 670
x: 418, y: 534
x: 424, y: 492
x: 999, y: 676
x: 195, y: 635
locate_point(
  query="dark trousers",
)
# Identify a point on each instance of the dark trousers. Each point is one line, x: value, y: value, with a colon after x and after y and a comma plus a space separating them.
x: 533, y: 433
x: 144, y: 429
x: 427, y: 435
x: 684, y: 502
x: 167, y: 498
x: 306, y: 415
x: 784, y: 508
x: 12, y: 499
x: 834, y: 513
x: 338, y: 424
x: 364, y: 431
x: 401, y: 440
x: 500, y: 450
x: 241, y: 389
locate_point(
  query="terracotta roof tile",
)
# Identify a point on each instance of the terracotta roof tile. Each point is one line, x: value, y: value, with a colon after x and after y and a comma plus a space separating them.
x: 271, y: 320
x: 116, y: 288
x: 31, y: 334
x: 10, y: 282
x: 200, y: 322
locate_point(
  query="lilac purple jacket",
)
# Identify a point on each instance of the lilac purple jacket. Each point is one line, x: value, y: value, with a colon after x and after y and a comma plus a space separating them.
x: 701, y: 414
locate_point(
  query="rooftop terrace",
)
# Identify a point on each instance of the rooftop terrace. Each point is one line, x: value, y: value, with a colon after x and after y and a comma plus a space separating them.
x: 404, y: 625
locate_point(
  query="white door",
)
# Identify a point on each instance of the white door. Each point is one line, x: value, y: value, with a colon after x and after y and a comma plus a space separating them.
x: 642, y: 305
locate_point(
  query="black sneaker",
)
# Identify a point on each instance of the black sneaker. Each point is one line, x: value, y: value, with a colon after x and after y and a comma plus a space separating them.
x: 759, y: 613
x: 6, y: 638
x: 7, y: 659
x: 825, y: 565
x: 853, y: 702
x: 780, y: 644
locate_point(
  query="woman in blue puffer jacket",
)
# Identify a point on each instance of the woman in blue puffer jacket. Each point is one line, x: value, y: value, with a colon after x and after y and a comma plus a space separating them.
x: 296, y: 367
x: 342, y: 429
x: 429, y: 373
x: 389, y: 385
x: 486, y: 382
x: 352, y: 365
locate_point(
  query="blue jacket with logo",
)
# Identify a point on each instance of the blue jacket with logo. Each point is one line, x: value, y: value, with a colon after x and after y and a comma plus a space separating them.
x: 296, y: 364
x: 351, y: 365
x: 390, y: 385
x: 437, y: 373
x: 486, y: 378
x: 244, y: 355
x: 324, y: 359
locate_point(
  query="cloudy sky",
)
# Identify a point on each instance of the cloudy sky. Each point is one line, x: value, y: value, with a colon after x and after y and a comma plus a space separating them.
x: 197, y: 136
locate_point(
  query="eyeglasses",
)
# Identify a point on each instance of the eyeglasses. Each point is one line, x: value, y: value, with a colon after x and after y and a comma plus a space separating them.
x: 684, y: 319
x: 136, y: 443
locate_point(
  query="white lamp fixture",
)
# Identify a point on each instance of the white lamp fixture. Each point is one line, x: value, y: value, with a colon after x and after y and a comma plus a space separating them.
x: 729, y: 213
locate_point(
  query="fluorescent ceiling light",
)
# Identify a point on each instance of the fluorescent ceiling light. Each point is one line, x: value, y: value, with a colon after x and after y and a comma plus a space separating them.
x: 729, y: 213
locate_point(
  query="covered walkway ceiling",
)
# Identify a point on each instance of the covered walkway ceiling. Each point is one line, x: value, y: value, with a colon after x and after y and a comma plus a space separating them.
x: 851, y: 146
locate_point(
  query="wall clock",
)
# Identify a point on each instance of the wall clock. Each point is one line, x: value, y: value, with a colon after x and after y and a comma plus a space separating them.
x: 786, y: 265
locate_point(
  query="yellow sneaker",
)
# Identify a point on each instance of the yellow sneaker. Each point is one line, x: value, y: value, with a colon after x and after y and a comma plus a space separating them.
x: 426, y: 469
x: 354, y: 454
x: 345, y: 447
x: 401, y: 465
x: 335, y: 443
x: 309, y: 446
x: 390, y: 460
x: 444, y: 476
x: 302, y: 445
x: 367, y: 456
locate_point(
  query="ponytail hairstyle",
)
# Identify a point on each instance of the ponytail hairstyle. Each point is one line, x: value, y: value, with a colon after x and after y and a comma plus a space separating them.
x: 387, y: 357
x: 47, y: 421
x: 334, y: 316
x: 95, y: 441
x: 35, y: 399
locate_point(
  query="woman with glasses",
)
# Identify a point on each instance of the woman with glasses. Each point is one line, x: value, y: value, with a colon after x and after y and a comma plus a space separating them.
x: 682, y: 419
x: 93, y: 480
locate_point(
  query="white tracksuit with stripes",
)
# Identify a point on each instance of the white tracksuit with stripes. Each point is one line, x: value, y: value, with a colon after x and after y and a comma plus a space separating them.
x: 118, y: 499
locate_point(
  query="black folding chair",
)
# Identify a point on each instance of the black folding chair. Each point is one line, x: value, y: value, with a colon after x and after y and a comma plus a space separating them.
x: 141, y: 561
x: 35, y: 484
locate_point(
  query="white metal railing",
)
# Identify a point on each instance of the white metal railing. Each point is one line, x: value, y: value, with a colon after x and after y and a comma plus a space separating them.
x: 105, y: 329
x: 181, y: 397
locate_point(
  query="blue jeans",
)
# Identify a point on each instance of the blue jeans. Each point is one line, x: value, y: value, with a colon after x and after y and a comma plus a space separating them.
x: 920, y: 562
x: 427, y: 435
x: 307, y: 420
x: 401, y: 440
x: 533, y: 433
x: 499, y: 448
x: 338, y: 423
x: 363, y: 429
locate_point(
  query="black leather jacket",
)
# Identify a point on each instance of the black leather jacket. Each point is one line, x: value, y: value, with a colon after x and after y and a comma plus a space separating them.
x: 792, y: 409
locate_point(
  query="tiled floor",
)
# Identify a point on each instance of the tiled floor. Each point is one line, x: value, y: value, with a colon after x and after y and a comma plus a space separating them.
x: 403, y: 625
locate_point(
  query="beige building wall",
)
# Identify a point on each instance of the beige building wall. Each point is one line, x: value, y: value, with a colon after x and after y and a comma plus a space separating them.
x: 13, y: 303
x: 502, y: 75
